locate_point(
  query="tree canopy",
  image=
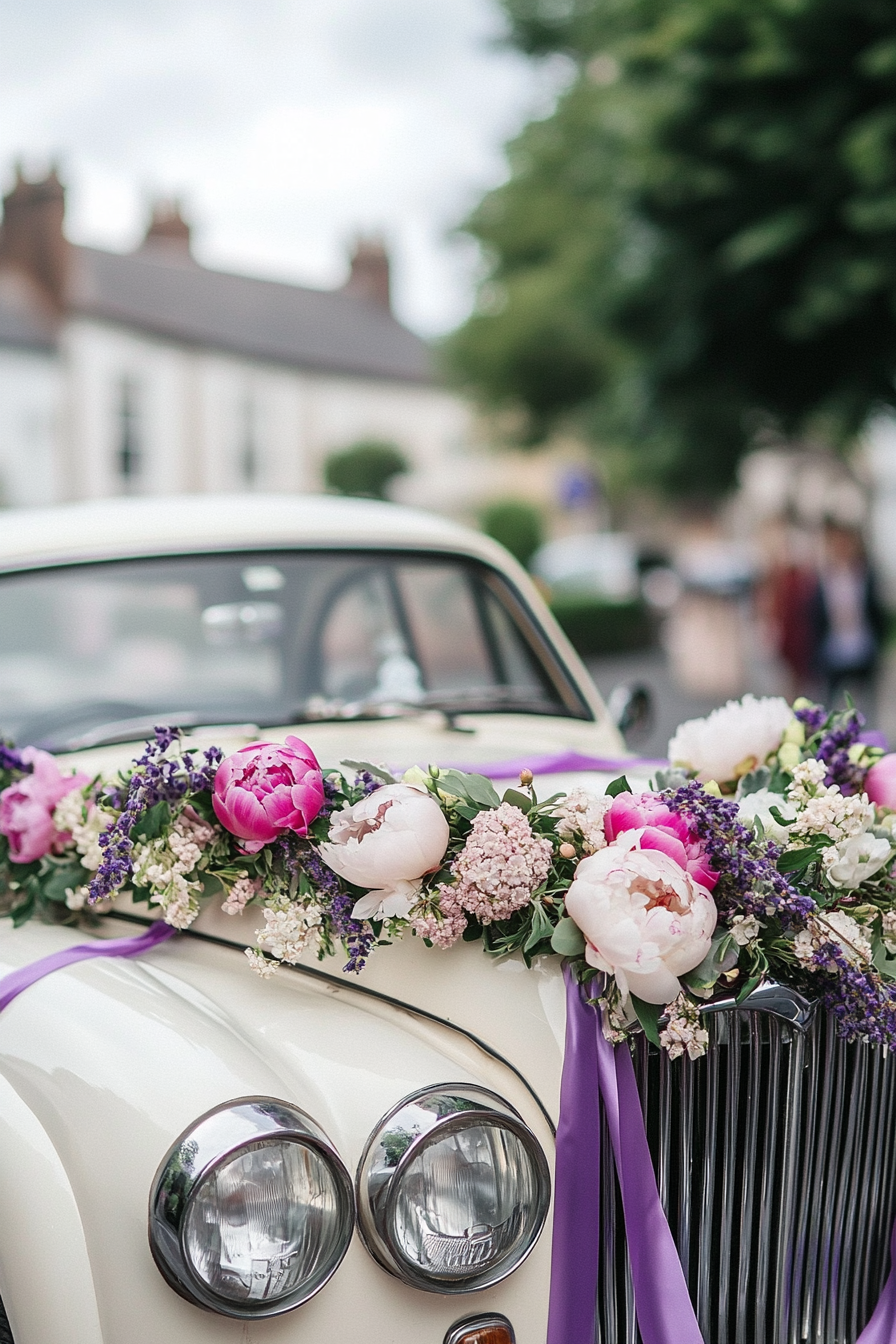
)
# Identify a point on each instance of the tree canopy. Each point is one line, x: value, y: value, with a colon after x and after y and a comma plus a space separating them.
x: 701, y: 237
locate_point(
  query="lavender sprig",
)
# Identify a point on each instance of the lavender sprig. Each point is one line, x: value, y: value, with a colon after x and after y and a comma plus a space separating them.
x: 356, y: 935
x: 749, y: 881
x: 10, y: 759
x: 156, y: 779
x: 863, y: 1006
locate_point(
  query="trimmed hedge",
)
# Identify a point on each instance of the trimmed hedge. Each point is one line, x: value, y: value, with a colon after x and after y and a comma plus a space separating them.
x: 596, y: 627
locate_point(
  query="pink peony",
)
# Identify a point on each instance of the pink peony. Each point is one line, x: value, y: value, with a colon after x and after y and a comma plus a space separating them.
x: 266, y: 789
x: 880, y: 782
x: 644, y: 917
x: 26, y: 807
x: 662, y: 829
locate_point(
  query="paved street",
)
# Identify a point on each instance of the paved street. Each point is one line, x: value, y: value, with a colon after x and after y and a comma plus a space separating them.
x: 672, y: 704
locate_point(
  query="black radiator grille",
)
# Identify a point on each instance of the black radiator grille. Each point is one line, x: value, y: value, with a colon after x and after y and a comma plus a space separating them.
x: 776, y: 1163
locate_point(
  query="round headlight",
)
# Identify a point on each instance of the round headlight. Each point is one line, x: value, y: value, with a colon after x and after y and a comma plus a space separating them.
x: 453, y: 1190
x: 252, y: 1210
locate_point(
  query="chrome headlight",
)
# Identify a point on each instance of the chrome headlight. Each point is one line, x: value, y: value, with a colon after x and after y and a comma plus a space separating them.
x: 453, y: 1190
x: 252, y: 1210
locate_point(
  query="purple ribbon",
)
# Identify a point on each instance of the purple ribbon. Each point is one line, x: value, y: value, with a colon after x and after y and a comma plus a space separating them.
x: 566, y: 762
x: 12, y: 985
x: 593, y: 1070
x: 595, y: 1073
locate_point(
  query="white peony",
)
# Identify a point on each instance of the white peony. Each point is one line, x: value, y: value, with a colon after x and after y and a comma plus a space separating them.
x: 645, y: 920
x: 385, y: 844
x: 760, y: 804
x: 852, y: 861
x: 739, y: 735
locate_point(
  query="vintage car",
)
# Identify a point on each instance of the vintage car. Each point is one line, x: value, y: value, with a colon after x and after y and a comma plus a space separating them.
x: 375, y: 633
x: 408, y: 1113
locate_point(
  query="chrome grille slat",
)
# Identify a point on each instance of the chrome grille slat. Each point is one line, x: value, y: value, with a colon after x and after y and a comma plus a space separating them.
x: 776, y: 1163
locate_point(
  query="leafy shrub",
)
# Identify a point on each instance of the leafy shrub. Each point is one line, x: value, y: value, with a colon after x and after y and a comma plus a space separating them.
x: 365, y: 469
x: 516, y: 525
x: 596, y: 627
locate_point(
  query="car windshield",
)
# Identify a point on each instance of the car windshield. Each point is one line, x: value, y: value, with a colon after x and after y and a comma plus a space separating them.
x: 279, y: 637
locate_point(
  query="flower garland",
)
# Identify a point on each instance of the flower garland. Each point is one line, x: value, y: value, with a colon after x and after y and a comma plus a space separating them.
x: 766, y: 850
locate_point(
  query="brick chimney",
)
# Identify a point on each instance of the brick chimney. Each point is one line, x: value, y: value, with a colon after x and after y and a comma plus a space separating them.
x: 32, y: 240
x: 168, y: 232
x: 369, y: 276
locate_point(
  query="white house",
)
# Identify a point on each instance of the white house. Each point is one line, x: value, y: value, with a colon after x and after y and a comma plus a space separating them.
x: 149, y: 373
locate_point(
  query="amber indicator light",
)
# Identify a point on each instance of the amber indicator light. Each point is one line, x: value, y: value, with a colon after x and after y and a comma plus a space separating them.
x: 484, y: 1330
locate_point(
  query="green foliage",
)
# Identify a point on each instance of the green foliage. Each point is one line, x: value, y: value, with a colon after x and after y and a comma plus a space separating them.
x: 701, y: 238
x: 516, y: 525
x: 596, y: 627
x: 366, y: 468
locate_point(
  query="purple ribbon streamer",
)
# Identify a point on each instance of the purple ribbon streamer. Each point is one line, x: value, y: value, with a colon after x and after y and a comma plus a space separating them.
x: 12, y: 984
x: 595, y: 1072
x: 566, y: 762
x: 592, y: 1069
x: 881, y: 1329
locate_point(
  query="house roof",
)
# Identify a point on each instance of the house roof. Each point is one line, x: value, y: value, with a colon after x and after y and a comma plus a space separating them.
x: 163, y: 295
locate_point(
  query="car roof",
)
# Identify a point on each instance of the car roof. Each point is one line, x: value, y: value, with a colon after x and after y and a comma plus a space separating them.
x: 179, y: 524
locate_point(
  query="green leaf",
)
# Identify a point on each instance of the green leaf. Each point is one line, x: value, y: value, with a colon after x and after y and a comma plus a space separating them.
x: 567, y: 940
x: 153, y: 822
x: 54, y: 885
x: 620, y: 785
x: 796, y: 858
x: 378, y: 771
x: 648, y: 1014
x: 717, y: 960
x: 748, y: 988
x: 542, y: 928
x: 753, y: 781
x: 518, y: 799
x: 472, y: 788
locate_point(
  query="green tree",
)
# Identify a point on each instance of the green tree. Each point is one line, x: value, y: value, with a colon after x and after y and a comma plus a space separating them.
x: 366, y: 468
x: 702, y: 236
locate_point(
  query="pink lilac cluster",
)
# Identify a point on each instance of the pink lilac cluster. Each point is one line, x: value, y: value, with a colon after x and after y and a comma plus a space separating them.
x: 442, y: 928
x: 499, y: 867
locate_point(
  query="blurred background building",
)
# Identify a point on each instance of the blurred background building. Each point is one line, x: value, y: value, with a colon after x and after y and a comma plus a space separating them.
x: 149, y: 373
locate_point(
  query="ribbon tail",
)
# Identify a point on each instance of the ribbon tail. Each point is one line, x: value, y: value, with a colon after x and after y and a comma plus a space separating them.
x: 12, y: 985
x: 576, y: 1235
x: 881, y: 1329
x: 665, y: 1311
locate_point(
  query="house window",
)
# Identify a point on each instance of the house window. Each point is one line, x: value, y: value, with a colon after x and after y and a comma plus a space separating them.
x: 129, y: 448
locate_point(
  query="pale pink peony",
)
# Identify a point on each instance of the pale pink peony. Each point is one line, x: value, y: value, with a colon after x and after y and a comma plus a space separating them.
x: 880, y: 782
x: 385, y: 844
x: 661, y: 829
x: 645, y: 919
x: 500, y: 865
x: 266, y: 789
x: 26, y: 807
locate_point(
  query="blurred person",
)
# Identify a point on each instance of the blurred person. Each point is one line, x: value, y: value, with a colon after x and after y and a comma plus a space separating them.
x: 785, y: 598
x: 847, y: 618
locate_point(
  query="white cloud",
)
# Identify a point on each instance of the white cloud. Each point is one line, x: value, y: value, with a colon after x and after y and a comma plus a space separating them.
x: 287, y: 125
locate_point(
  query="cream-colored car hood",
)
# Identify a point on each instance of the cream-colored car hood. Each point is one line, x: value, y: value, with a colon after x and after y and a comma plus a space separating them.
x: 104, y: 1064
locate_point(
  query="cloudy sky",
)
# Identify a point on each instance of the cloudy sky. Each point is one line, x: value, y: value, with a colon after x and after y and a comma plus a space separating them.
x: 286, y: 126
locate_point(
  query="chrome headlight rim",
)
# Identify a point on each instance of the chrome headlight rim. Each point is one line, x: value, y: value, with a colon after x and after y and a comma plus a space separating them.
x: 375, y: 1215
x: 219, y: 1135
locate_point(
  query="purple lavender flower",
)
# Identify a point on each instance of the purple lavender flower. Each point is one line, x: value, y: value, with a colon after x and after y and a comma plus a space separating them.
x: 862, y: 1004
x: 11, y: 760
x: 749, y: 881
x: 156, y: 779
x: 356, y: 935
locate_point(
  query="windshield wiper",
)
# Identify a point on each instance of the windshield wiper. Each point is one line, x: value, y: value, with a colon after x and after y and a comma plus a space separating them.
x: 478, y: 699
